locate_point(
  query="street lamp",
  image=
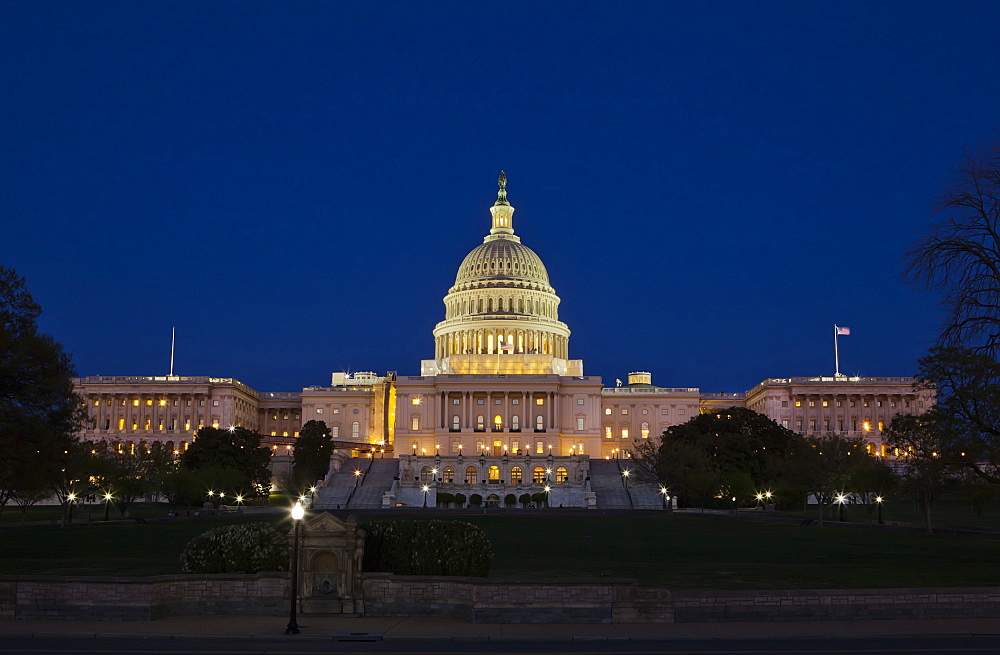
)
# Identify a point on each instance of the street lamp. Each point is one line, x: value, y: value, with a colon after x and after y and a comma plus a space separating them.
x: 663, y: 495
x: 840, y: 501
x: 760, y: 497
x: 239, y: 504
x: 547, y: 490
x: 297, y: 514
x: 879, y: 499
x: 72, y: 499
x: 425, y: 489
x: 357, y: 476
x: 107, y: 503
x: 625, y: 479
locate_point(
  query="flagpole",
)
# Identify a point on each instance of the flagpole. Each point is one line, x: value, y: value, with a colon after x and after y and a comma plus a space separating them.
x: 172, y: 332
x: 836, y: 353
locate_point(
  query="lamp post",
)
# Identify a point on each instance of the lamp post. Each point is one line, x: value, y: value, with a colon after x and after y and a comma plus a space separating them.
x: 840, y: 501
x: 879, y: 499
x: 357, y: 476
x: 72, y: 499
x: 425, y: 489
x: 767, y: 498
x: 663, y: 495
x: 625, y: 479
x: 239, y: 504
x: 297, y: 514
x: 107, y: 503
x: 760, y: 497
x: 547, y: 490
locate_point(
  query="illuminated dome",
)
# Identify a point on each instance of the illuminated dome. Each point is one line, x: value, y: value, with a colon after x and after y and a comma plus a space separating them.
x: 501, y: 302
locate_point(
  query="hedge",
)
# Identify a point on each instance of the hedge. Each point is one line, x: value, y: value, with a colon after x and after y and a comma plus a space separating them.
x: 525, y: 499
x: 245, y: 548
x: 432, y: 547
x: 460, y: 500
x: 510, y: 500
x: 475, y: 500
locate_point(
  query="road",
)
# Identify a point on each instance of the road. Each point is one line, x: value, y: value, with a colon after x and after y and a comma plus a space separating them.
x: 119, y: 645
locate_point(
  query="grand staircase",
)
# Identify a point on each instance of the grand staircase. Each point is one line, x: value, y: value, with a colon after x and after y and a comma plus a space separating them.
x: 345, y: 490
x: 606, y: 482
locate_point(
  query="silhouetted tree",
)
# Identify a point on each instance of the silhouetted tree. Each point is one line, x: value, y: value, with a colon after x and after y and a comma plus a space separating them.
x: 311, y: 454
x: 39, y: 412
x: 925, y: 473
x: 222, y: 453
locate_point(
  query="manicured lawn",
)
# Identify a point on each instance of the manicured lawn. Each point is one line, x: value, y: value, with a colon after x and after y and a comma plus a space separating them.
x: 948, y: 512
x: 679, y: 552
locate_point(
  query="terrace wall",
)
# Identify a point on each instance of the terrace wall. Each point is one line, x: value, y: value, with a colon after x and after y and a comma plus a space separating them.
x: 478, y: 600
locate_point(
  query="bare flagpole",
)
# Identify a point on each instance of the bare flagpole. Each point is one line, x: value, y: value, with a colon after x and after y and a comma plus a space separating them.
x: 172, y: 332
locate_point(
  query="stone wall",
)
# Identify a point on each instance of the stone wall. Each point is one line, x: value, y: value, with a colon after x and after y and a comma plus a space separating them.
x: 138, y: 599
x: 839, y: 604
x: 483, y: 600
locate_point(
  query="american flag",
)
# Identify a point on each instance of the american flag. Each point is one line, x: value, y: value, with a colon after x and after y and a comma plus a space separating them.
x: 842, y: 331
x: 506, y: 346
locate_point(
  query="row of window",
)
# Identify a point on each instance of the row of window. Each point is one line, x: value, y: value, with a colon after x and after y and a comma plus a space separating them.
x: 851, y: 403
x: 866, y: 425
x: 643, y: 431
x: 539, y: 474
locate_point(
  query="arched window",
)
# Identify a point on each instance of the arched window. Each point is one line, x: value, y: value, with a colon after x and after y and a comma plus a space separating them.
x: 471, y: 476
x: 645, y: 430
x: 539, y: 422
x: 562, y: 475
x: 515, y: 423
x: 480, y: 423
x: 355, y: 430
x: 515, y: 475
x: 455, y: 424
x: 497, y: 423
x: 448, y: 474
x: 494, y: 473
x: 426, y: 475
x: 538, y: 474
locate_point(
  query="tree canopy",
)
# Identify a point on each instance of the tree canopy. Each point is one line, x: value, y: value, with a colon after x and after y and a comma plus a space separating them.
x: 311, y: 453
x: 39, y: 412
x: 234, y: 455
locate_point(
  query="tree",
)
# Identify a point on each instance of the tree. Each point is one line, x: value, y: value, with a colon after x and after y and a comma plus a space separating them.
x: 230, y: 455
x: 128, y: 476
x: 825, y: 466
x: 311, y: 453
x: 925, y: 472
x: 870, y: 479
x: 966, y: 414
x: 698, y: 458
x: 39, y: 412
x: 960, y: 257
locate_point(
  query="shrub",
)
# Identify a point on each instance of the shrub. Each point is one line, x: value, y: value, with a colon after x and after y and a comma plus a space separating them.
x: 538, y: 498
x: 245, y: 548
x: 443, y: 498
x: 460, y: 500
x: 510, y: 500
x: 475, y: 500
x: 525, y: 499
x: 427, y: 548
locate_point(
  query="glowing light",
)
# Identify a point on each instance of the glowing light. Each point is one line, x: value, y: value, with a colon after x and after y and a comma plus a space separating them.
x: 239, y: 499
x: 426, y: 488
x: 434, y: 471
x: 878, y: 499
x: 548, y: 488
x: 71, y: 497
x: 357, y: 472
x: 625, y: 473
x: 302, y: 499
x: 312, y: 490
x: 108, y: 496
x: 840, y: 499
x: 298, y: 512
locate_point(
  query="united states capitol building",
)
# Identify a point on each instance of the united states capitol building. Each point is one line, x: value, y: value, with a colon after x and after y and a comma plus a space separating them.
x: 500, y: 411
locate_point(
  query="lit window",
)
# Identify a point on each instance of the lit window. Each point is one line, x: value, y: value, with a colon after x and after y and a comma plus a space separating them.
x: 562, y: 475
x: 624, y: 410
x: 607, y: 411
x: 682, y: 411
x: 607, y: 431
x: 825, y: 403
x: 539, y: 447
x: 812, y: 403
x: 215, y: 403
x: 881, y: 426
x: 135, y: 403
x: 415, y: 422
x: 493, y: 473
x: 798, y: 403
x: 665, y: 412
x: 579, y: 422
x: 539, y: 401
x: 784, y: 423
x: 414, y: 401
x: 515, y: 475
x: 624, y: 433
x: 538, y: 473
x: 355, y: 430
x: 319, y: 410
x: 645, y: 430
x: 471, y: 475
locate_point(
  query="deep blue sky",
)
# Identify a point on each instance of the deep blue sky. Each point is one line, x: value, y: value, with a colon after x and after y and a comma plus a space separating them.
x: 293, y: 185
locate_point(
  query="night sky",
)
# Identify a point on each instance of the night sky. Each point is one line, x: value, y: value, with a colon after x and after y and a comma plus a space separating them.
x: 293, y: 185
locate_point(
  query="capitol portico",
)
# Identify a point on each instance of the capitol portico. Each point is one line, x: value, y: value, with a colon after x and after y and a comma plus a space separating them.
x: 500, y: 411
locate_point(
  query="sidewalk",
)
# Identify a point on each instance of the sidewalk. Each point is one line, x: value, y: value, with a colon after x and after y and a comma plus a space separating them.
x: 314, y: 627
